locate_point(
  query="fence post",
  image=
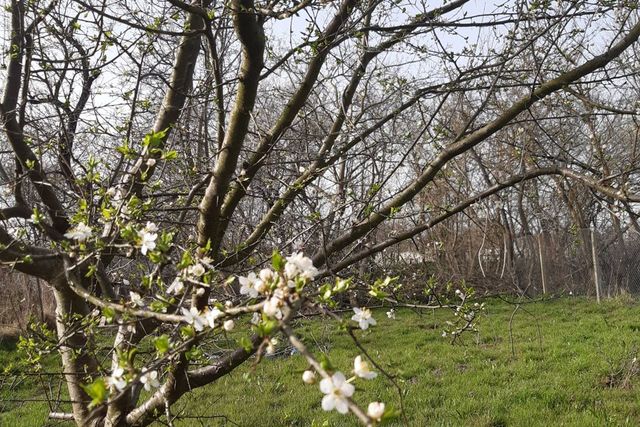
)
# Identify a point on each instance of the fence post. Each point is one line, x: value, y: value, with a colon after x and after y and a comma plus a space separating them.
x: 544, y: 279
x: 596, y: 275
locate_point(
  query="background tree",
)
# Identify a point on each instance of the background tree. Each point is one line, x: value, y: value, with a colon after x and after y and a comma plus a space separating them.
x: 154, y: 150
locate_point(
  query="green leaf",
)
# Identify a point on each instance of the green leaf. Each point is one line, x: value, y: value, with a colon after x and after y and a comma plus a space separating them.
x: 266, y: 327
x: 277, y: 261
x: 155, y: 257
x: 155, y: 139
x: 109, y: 314
x: 185, y: 261
x: 342, y: 284
x: 325, y: 291
x: 162, y: 344
x: 170, y: 155
x: 187, y: 332
x: 91, y: 270
x: 377, y: 293
x: 97, y: 391
x: 325, y: 363
x: 246, y: 344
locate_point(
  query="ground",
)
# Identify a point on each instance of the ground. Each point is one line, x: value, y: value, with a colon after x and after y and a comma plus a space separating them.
x: 565, y: 361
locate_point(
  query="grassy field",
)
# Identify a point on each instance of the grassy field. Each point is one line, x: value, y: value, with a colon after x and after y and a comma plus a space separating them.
x: 566, y: 362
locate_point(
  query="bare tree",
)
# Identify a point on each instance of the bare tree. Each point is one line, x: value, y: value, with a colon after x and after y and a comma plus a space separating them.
x: 154, y: 149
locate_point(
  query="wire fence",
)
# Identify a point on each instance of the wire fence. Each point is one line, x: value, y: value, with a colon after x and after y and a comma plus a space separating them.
x: 583, y: 263
x: 578, y: 262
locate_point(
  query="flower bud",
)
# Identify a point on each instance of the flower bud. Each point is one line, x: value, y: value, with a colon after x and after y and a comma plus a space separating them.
x: 375, y: 410
x: 309, y: 377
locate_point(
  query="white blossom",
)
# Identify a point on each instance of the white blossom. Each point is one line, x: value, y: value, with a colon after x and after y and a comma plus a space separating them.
x: 361, y: 369
x: 117, y: 379
x: 260, y: 286
x: 136, y: 299
x: 150, y: 227
x: 299, y: 265
x: 375, y: 410
x: 193, y: 317
x: 151, y: 162
x: 266, y: 275
x: 336, y: 390
x: 272, y: 306
x: 176, y: 287
x: 148, y: 238
x: 228, y: 325
x: 309, y: 377
x: 150, y: 380
x: 363, y: 317
x: 249, y: 285
x: 212, y: 315
x: 196, y: 270
x: 391, y: 314
x: 81, y: 232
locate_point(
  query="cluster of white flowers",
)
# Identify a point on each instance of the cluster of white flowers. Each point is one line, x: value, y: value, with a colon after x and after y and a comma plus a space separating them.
x: 80, y: 232
x: 207, y: 317
x: 118, y: 381
x: 277, y: 288
x: 299, y: 265
x: 192, y: 272
x: 391, y: 314
x: 338, y: 389
x: 272, y: 306
x: 253, y: 285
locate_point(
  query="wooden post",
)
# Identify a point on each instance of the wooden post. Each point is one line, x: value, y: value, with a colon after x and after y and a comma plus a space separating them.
x: 544, y: 279
x: 596, y: 275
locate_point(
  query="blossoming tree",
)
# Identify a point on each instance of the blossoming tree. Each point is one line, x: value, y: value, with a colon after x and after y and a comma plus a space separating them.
x: 180, y: 170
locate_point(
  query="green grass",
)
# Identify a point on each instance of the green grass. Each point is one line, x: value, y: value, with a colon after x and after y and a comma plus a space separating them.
x: 570, y: 358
